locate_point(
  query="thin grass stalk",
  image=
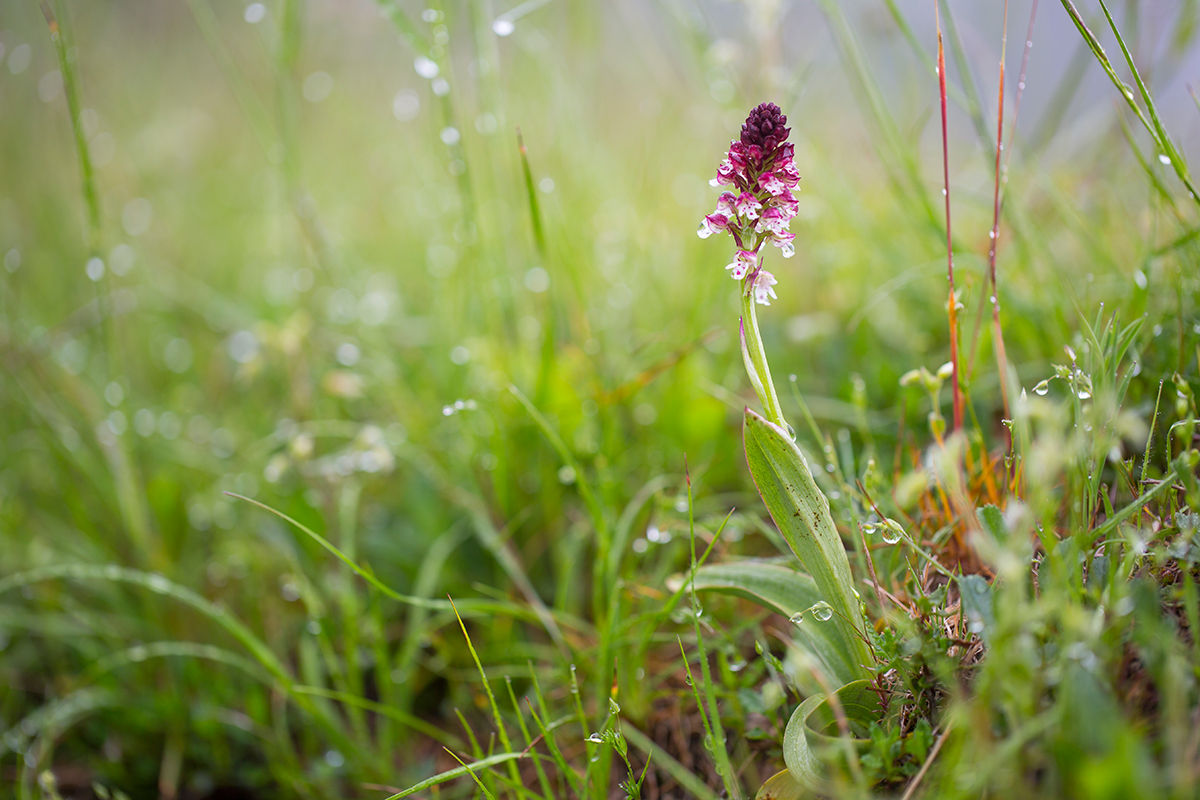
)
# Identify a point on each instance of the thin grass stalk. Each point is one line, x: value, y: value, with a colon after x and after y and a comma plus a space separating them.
x: 1153, y: 125
x: 951, y: 305
x: 347, y: 516
x: 712, y: 721
x: 547, y: 729
x: 501, y: 730
x: 589, y: 747
x: 251, y: 105
x: 130, y: 498
x: 543, y: 781
x: 62, y: 48
x: 971, y: 91
x: 997, y: 331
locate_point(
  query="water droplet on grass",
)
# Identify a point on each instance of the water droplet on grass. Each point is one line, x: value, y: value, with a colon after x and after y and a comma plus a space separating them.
x: 503, y: 27
x: 426, y: 67
x: 1164, y: 159
x: 822, y: 611
x: 1042, y: 389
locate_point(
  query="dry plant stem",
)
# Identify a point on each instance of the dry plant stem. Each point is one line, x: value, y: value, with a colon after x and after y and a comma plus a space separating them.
x: 916, y: 781
x: 951, y: 305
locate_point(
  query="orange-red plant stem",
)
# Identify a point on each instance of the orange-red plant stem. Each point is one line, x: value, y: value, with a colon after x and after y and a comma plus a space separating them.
x: 951, y: 304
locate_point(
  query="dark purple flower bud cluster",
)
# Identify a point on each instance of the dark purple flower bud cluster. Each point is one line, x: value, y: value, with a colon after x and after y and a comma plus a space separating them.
x: 765, y: 128
x: 761, y: 167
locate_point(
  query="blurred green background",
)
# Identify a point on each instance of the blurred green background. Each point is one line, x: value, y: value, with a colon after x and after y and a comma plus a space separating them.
x: 319, y: 263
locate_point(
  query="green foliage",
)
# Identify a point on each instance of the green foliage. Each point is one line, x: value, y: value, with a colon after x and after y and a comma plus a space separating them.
x: 297, y: 343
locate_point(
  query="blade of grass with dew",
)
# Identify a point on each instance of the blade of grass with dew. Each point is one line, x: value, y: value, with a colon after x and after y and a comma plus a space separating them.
x: 1153, y: 125
x: 489, y: 537
x: 657, y: 617
x: 604, y: 594
x: 1110, y: 525
x: 902, y: 167
x: 589, y: 746
x: 560, y: 761
x: 60, y: 36
x: 412, y: 721
x: 457, y: 772
x: 161, y: 585
x: 251, y: 105
x: 501, y: 730
x: 187, y: 650
x: 428, y: 576
x: 971, y: 91
x: 624, y: 527
x: 543, y: 780
x: 956, y: 94
x: 421, y: 602
x: 713, y: 725
x: 694, y: 786
x: 724, y: 768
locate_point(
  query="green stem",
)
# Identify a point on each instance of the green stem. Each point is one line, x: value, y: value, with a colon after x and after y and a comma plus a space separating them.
x: 755, y: 358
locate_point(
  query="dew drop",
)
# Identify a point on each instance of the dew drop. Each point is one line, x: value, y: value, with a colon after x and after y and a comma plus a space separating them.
x: 1163, y: 158
x: 503, y: 27
x: 1042, y: 389
x: 822, y: 611
x: 1084, y: 394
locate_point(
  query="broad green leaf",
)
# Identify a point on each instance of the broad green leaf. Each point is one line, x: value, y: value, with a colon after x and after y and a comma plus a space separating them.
x: 811, y: 744
x: 780, y: 786
x: 801, y: 513
x: 784, y: 591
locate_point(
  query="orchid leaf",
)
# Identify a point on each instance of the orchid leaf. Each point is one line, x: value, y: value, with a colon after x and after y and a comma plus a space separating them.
x: 812, y: 747
x: 787, y: 592
x: 801, y: 513
x: 781, y: 786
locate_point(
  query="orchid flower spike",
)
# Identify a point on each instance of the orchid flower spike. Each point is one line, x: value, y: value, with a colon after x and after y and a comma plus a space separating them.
x: 759, y: 206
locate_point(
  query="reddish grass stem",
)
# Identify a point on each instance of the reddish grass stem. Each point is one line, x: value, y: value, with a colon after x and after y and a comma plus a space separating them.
x: 951, y: 304
x: 997, y: 333
x: 998, y: 198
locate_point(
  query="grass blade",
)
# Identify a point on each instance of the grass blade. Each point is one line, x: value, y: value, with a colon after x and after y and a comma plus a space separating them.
x: 457, y: 772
